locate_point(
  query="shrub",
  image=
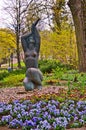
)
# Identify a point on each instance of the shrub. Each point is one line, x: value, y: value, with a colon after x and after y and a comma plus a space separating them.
x: 13, y: 80
x: 3, y: 74
x: 48, y: 65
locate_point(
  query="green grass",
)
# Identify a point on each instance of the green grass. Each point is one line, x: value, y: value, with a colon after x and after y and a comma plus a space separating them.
x: 13, y: 78
x: 72, y: 80
x: 54, y: 73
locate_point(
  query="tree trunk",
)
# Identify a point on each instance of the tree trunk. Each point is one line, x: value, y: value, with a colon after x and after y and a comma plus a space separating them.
x: 18, y: 51
x: 78, y: 9
x: 18, y: 3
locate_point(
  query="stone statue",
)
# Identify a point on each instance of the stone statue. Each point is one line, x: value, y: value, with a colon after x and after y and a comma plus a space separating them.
x: 31, y: 48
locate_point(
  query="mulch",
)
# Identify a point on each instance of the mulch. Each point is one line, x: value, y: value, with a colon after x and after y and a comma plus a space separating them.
x: 15, y: 93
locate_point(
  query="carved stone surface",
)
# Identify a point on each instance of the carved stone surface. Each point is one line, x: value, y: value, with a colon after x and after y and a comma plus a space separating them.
x: 31, y: 47
x: 31, y: 59
x: 33, y: 79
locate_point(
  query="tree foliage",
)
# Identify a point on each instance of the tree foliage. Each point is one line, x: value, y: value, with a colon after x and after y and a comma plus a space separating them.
x: 7, y: 43
x: 59, y: 46
x: 52, y: 13
x: 17, y: 10
x: 58, y: 43
x: 59, y: 14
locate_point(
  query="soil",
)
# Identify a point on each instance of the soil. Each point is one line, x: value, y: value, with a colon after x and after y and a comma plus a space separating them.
x: 5, y: 128
x: 10, y: 94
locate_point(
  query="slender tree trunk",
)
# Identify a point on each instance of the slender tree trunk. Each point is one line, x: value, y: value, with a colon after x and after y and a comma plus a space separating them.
x: 18, y: 3
x: 18, y: 51
x: 78, y: 9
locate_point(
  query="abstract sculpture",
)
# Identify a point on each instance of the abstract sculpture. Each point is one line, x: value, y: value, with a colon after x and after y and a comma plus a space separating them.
x: 31, y: 47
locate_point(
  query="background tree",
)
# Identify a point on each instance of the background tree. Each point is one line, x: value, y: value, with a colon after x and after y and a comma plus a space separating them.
x: 7, y: 43
x: 59, y: 46
x: 78, y: 9
x: 16, y: 10
x: 59, y: 14
x: 60, y: 36
x: 32, y: 15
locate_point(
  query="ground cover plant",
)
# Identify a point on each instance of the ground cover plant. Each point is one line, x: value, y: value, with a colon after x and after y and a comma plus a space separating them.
x: 53, y: 72
x: 44, y: 114
x: 12, y: 78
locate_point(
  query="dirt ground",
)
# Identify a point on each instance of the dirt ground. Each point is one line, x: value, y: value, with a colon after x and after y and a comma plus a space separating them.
x: 8, y: 94
x: 5, y: 128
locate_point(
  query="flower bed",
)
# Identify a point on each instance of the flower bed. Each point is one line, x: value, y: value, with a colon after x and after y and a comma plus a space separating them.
x: 43, y: 115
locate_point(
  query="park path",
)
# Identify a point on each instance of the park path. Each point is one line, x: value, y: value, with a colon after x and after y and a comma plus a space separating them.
x: 7, y: 64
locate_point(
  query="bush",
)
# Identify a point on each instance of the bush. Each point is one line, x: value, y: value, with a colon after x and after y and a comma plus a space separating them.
x: 19, y: 71
x: 46, y: 66
x: 13, y: 80
x: 3, y: 74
